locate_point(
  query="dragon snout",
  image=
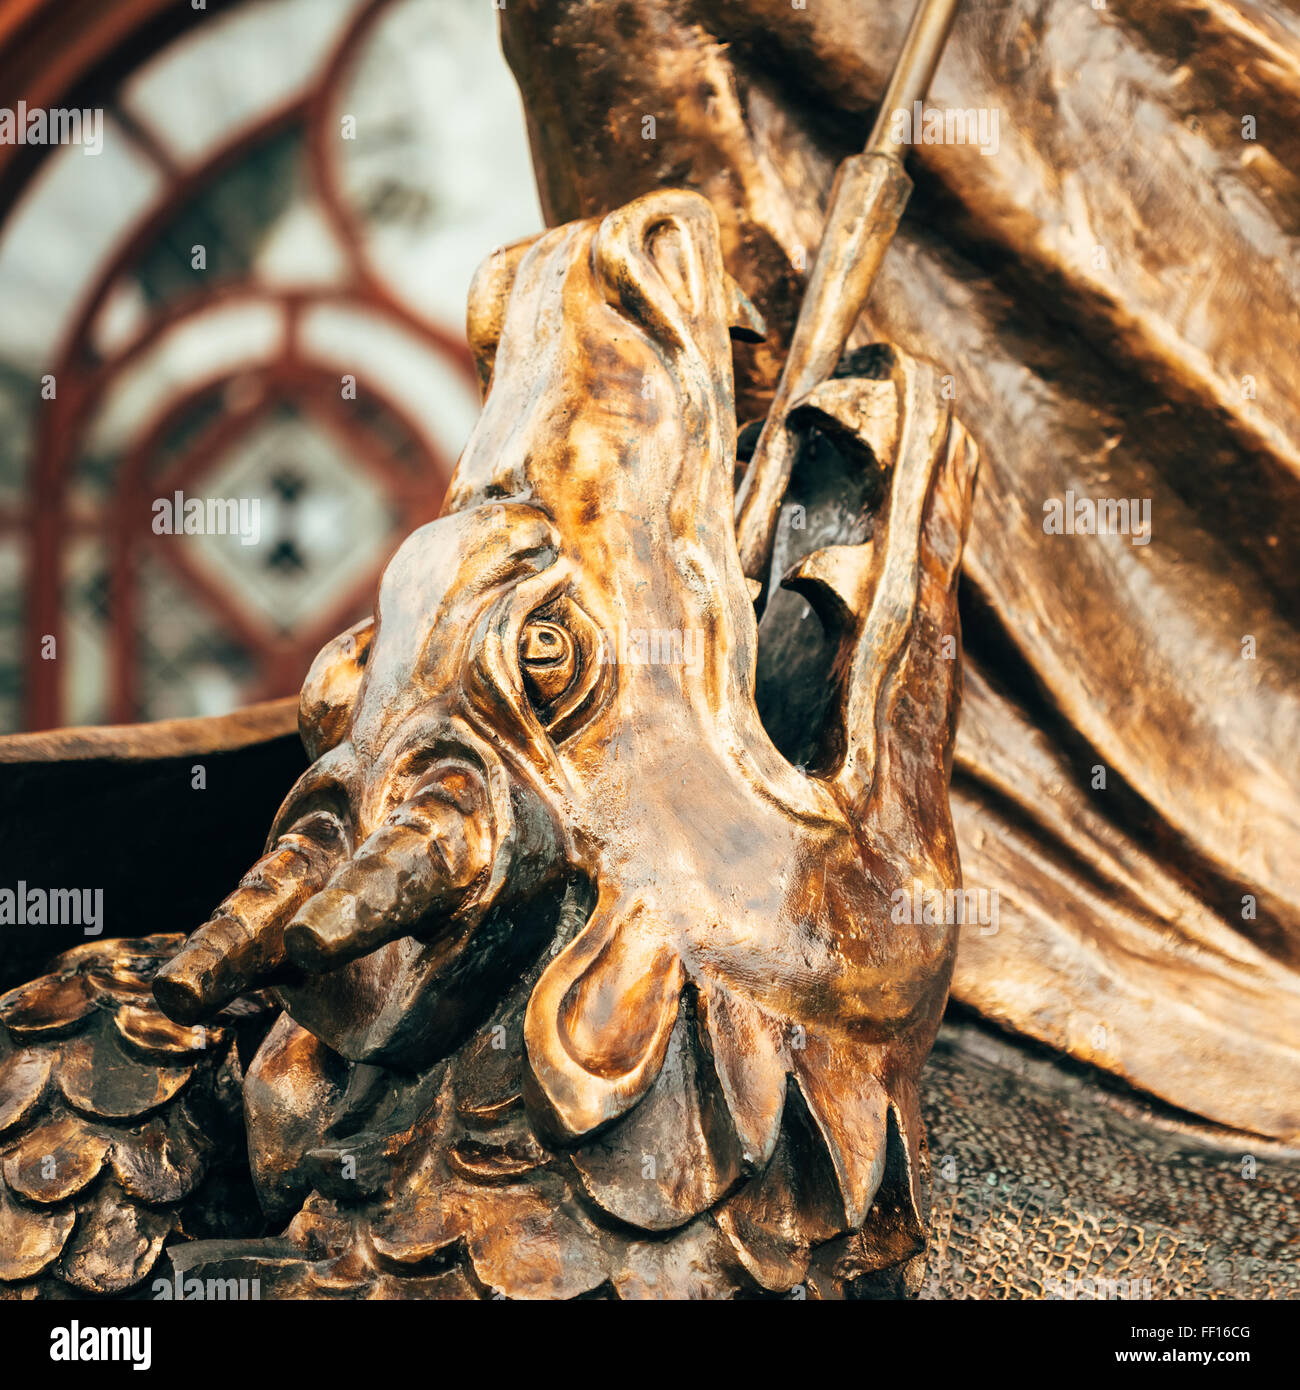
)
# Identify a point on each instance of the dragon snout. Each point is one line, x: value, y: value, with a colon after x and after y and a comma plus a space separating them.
x: 464, y: 839
x: 427, y: 864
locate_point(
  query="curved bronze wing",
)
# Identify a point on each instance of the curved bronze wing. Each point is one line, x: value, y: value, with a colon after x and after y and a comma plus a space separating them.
x: 119, y: 1129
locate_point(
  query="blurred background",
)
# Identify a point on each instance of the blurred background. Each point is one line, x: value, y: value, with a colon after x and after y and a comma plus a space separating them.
x: 290, y: 192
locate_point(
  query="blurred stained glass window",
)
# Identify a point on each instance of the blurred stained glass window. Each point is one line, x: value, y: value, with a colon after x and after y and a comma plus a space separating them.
x: 253, y: 297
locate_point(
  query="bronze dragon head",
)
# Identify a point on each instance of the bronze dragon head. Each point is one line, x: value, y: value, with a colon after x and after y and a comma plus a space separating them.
x: 558, y: 931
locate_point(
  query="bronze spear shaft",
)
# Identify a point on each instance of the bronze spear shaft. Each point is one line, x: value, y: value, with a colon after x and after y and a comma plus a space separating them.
x: 871, y: 190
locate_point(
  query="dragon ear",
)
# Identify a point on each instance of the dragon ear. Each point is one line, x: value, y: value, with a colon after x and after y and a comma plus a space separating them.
x: 489, y: 293
x: 329, y: 694
x: 659, y: 260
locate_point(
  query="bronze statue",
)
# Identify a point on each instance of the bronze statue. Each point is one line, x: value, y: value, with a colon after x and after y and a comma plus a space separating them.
x: 599, y: 949
x: 558, y: 932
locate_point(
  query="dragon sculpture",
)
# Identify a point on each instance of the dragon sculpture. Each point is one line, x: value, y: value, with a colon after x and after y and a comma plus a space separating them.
x: 579, y: 983
x: 593, y: 953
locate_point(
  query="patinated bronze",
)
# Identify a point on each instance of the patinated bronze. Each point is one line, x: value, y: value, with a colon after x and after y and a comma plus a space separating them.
x: 600, y: 946
x: 1127, y: 774
x: 121, y: 1130
x: 557, y: 930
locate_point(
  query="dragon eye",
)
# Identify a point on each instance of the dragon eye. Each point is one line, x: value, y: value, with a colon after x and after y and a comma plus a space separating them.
x: 548, y: 656
x: 564, y: 661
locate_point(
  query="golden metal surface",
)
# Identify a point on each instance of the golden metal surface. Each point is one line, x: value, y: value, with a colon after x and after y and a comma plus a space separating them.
x: 612, y: 923
x: 556, y: 705
x: 1108, y: 282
